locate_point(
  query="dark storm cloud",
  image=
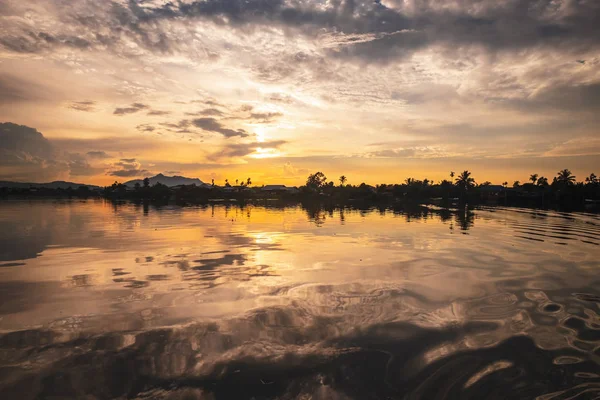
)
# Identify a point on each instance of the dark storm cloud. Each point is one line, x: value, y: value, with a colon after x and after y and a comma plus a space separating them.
x: 212, y: 125
x: 21, y: 138
x: 400, y: 28
x: 25, y: 154
x: 371, y: 31
x: 244, y: 149
x: 83, y: 105
x: 135, y: 107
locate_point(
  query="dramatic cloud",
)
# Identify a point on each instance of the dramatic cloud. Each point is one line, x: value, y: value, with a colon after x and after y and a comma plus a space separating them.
x: 128, y: 167
x: 135, y: 107
x: 25, y: 154
x: 371, y: 30
x: 212, y: 125
x: 431, y: 82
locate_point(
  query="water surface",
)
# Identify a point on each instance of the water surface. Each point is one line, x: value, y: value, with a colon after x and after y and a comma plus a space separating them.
x: 103, y: 300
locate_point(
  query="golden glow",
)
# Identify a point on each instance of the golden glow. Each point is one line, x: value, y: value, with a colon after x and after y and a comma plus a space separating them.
x: 281, y: 103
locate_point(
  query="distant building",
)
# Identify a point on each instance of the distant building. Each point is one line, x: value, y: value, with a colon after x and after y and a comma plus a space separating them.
x: 279, y: 189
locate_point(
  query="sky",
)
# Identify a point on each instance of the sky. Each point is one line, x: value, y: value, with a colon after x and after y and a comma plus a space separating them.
x: 97, y: 91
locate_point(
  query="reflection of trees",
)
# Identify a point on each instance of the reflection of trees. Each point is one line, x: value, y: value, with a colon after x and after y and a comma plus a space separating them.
x: 318, y: 213
x: 445, y: 215
x: 315, y: 213
x: 465, y: 218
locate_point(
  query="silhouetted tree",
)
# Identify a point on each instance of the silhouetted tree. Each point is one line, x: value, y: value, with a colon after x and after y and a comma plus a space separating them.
x: 505, y: 183
x: 227, y: 183
x: 533, y: 178
x: 486, y: 183
x: 342, y: 180
x: 465, y: 181
x: 137, y: 186
x: 248, y: 182
x: 565, y: 177
x: 592, y: 179
x: 452, y: 174
x: 212, y: 182
x: 542, y: 181
x: 516, y: 184
x: 146, y: 182
x: 316, y: 180
x: 236, y: 182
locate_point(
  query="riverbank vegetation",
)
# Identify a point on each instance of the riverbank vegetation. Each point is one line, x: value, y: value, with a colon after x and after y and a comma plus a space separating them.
x: 562, y: 191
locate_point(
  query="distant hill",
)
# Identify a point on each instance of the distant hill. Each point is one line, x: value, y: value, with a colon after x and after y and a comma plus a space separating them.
x: 167, y: 180
x: 49, y: 185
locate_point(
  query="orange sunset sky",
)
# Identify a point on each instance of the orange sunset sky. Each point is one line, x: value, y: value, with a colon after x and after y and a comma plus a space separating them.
x: 274, y: 89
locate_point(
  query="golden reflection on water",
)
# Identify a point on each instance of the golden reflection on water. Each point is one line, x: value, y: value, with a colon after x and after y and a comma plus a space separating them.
x: 482, y: 277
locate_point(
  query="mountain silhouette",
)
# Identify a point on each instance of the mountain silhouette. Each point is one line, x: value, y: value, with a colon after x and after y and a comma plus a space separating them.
x: 48, y: 185
x: 167, y: 180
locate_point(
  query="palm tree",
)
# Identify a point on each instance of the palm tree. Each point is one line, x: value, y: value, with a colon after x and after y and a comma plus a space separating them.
x: 212, y: 182
x: 451, y: 174
x: 227, y: 183
x: 343, y: 180
x: 592, y: 179
x: 516, y: 184
x: 505, y: 183
x: 465, y: 181
x: 542, y: 181
x: 533, y: 178
x: 565, y: 177
x: 236, y: 182
x: 248, y: 182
